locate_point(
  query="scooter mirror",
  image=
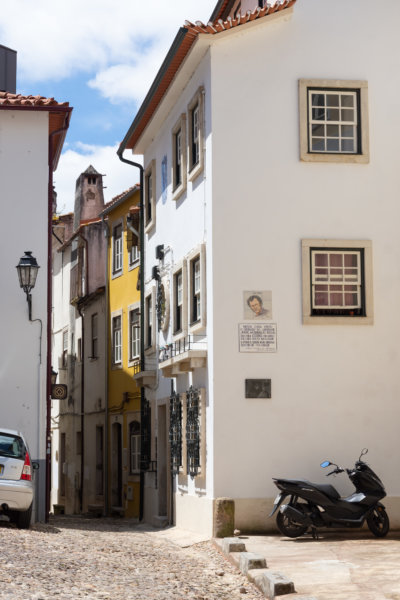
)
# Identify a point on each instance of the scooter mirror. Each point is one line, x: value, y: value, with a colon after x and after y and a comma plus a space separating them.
x: 325, y: 464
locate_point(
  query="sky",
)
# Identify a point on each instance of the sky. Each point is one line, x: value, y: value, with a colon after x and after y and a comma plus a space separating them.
x: 101, y: 56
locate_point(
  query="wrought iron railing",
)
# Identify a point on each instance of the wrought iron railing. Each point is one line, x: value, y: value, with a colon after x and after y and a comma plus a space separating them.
x: 189, y: 342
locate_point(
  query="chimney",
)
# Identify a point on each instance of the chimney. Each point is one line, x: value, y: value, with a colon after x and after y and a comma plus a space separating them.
x: 8, y: 70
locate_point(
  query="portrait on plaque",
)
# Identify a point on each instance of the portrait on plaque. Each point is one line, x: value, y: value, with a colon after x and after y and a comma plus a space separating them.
x: 257, y: 305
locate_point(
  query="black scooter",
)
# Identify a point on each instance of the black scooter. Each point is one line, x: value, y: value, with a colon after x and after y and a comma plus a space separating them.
x: 312, y: 505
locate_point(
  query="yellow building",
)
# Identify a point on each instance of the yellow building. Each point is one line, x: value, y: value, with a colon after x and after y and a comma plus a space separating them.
x: 123, y: 328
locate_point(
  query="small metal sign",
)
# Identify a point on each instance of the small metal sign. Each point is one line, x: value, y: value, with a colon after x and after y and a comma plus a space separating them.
x: 258, y: 388
x: 59, y: 391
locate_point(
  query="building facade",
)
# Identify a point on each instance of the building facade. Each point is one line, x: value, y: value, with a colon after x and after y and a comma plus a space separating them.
x: 33, y: 130
x: 123, y: 327
x: 270, y: 208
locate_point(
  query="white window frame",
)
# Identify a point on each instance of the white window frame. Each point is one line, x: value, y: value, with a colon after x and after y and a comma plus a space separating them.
x: 134, y: 448
x: 180, y: 267
x: 150, y: 344
x: 133, y: 358
x: 178, y: 189
x: 116, y: 348
x: 360, y: 88
x: 117, y: 249
x: 94, y: 342
x: 307, y: 274
x: 134, y: 257
x: 150, y: 197
x: 64, y: 355
x: 199, y: 253
x: 196, y: 167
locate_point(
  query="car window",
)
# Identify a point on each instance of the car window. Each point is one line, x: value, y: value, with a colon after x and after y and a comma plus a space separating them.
x: 12, y: 446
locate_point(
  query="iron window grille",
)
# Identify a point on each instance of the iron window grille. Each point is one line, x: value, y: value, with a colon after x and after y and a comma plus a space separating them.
x: 193, y: 431
x: 175, y: 432
x: 145, y: 436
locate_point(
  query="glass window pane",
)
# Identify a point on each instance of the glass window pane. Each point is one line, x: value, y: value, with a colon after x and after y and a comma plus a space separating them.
x: 332, y: 130
x: 351, y: 260
x: 318, y: 114
x: 318, y: 145
x: 347, y: 100
x: 332, y: 145
x: 332, y: 99
x: 317, y: 99
x: 347, y: 114
x: 321, y: 260
x: 336, y: 260
x: 318, y: 130
x: 336, y: 299
x: 332, y: 114
x: 347, y: 130
x: 348, y: 146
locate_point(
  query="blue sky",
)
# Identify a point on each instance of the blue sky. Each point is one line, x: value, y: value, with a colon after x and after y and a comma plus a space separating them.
x: 101, y: 56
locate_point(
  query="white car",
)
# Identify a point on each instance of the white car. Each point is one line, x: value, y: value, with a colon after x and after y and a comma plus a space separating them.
x: 16, y: 478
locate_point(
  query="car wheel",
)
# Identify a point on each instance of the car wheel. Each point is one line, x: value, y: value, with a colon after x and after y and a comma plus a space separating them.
x: 23, y: 518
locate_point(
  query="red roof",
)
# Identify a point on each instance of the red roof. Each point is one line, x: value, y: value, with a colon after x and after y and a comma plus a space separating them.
x: 177, y: 54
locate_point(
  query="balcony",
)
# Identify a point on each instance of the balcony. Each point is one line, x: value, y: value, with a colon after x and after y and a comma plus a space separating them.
x: 183, y: 356
x: 145, y: 375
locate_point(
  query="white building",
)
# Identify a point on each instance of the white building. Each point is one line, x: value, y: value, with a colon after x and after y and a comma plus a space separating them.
x: 32, y: 129
x: 270, y: 156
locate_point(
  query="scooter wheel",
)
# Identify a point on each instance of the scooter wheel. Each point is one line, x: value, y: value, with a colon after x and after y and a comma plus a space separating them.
x: 289, y: 527
x: 378, y: 522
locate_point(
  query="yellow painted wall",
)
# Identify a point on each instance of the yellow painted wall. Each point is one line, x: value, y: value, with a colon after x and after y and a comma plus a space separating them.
x: 123, y: 293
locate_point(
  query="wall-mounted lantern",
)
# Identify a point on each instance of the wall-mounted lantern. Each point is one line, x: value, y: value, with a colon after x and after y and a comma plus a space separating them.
x: 27, y: 272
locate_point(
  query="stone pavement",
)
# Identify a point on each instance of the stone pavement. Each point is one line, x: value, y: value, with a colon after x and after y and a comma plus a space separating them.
x: 347, y: 565
x: 114, y: 559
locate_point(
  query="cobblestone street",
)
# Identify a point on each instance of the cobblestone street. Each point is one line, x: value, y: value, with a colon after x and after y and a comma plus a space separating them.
x: 112, y: 559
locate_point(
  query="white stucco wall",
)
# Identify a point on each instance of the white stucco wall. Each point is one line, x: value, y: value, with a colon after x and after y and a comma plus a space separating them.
x: 335, y: 389
x: 24, y: 197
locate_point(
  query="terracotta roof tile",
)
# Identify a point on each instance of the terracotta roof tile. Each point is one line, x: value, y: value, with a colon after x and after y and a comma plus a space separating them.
x: 114, y: 202
x: 8, y: 99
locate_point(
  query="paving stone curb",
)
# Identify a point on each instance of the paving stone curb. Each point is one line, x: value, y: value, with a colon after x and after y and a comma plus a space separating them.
x: 254, y: 566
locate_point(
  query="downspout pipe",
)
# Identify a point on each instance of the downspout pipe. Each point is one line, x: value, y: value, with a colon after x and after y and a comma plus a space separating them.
x: 106, y: 393
x: 120, y: 152
x: 51, y: 161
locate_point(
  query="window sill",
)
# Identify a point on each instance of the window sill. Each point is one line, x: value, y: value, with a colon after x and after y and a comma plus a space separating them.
x: 149, y: 226
x: 116, y: 274
x: 334, y: 158
x: 350, y: 321
x: 177, y: 192
x: 195, y: 171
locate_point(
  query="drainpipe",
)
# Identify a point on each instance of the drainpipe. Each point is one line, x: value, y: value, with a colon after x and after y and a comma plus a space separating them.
x: 49, y: 306
x: 106, y: 342
x: 141, y: 275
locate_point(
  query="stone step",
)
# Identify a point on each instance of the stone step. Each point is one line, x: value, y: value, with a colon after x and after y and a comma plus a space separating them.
x: 272, y: 584
x: 250, y: 560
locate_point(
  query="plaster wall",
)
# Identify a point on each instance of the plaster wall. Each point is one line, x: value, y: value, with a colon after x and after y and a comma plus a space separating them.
x: 335, y: 389
x: 24, y: 158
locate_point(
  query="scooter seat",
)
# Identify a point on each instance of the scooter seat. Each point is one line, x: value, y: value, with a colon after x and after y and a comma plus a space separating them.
x: 329, y: 490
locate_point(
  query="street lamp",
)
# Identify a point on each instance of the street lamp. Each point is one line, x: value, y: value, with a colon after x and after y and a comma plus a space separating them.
x: 27, y: 272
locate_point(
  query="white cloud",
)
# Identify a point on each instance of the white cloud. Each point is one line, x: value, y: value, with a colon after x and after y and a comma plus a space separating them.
x: 56, y: 40
x: 118, y: 175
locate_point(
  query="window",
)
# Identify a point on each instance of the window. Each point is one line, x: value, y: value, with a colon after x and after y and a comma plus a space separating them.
x: 95, y: 339
x: 195, y: 275
x: 149, y: 321
x: 337, y: 281
x: 197, y: 296
x: 134, y: 334
x: 117, y: 249
x: 333, y: 121
x: 134, y: 438
x: 149, y: 194
x: 196, y: 136
x: 134, y: 255
x: 178, y: 286
x: 116, y: 340
x: 179, y: 158
x: 64, y: 360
